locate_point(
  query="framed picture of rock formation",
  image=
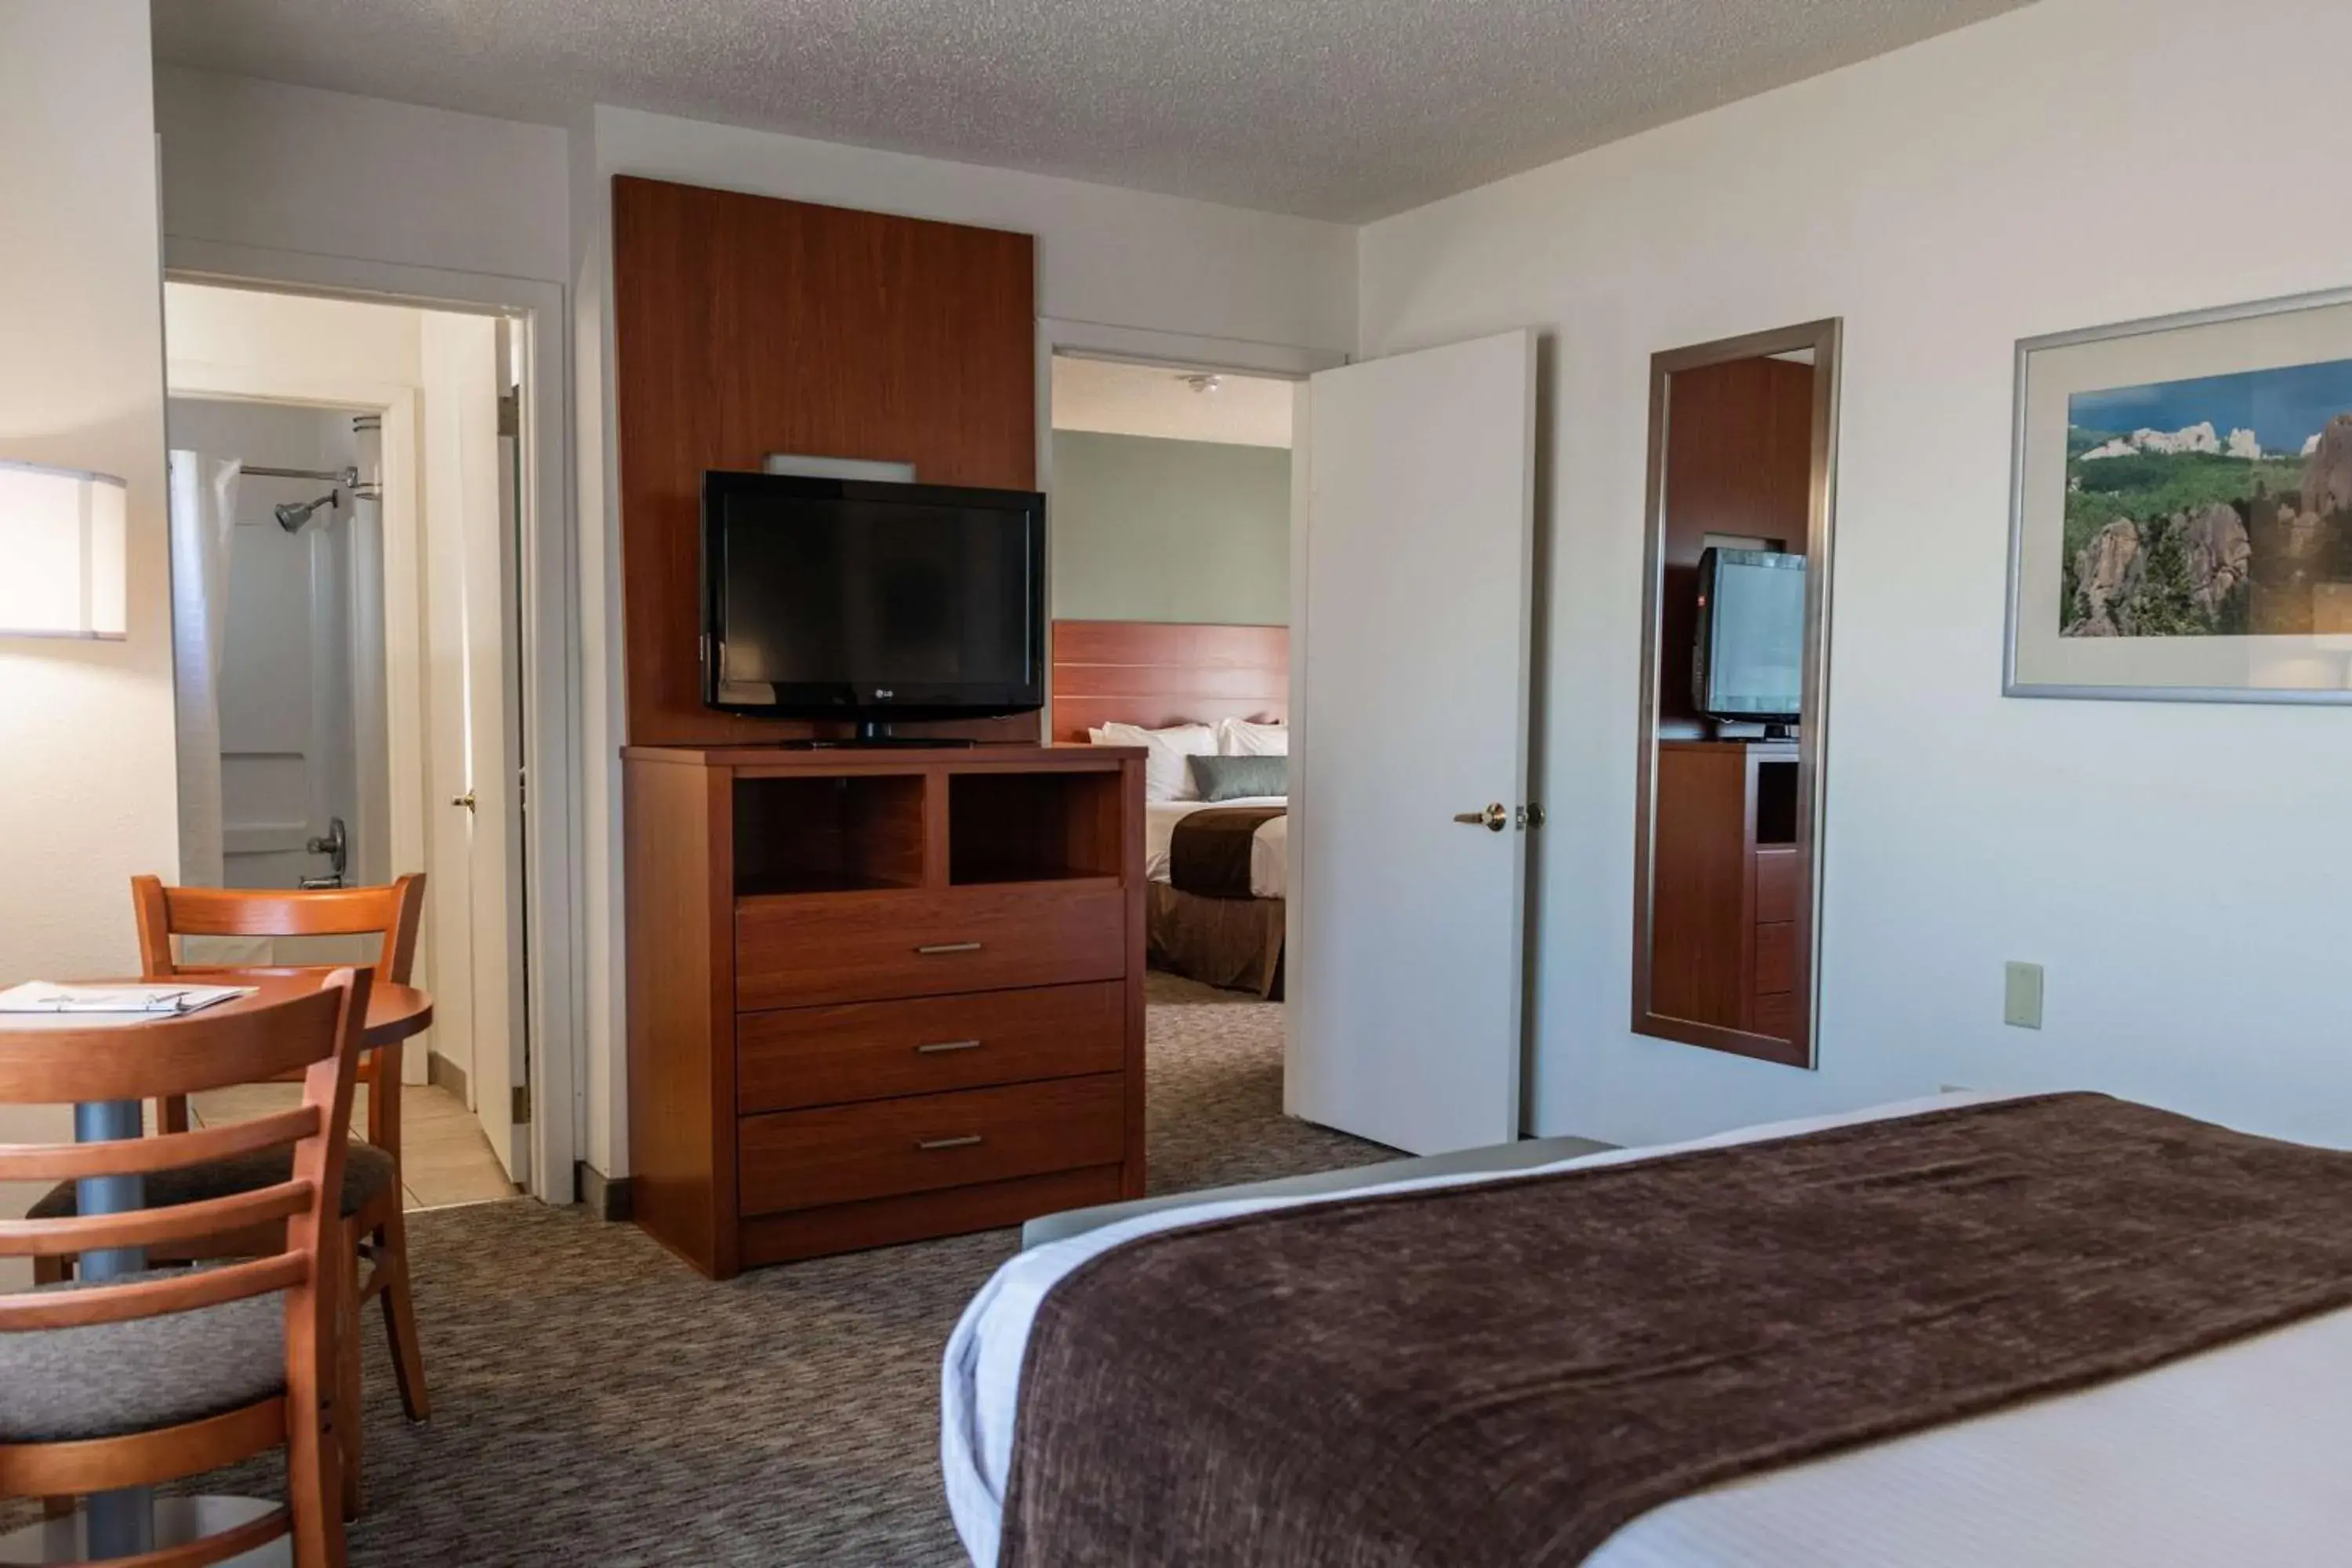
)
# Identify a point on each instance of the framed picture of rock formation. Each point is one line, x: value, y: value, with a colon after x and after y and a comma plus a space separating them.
x: 2180, y: 523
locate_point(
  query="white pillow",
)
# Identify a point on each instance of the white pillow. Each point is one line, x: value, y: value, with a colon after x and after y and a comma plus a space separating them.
x: 1165, y: 774
x: 1240, y: 738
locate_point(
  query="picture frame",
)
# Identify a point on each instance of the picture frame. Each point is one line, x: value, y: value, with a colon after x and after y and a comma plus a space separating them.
x: 2180, y: 508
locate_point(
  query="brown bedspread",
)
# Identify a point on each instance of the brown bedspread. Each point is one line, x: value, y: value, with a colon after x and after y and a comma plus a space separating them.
x: 1235, y: 943
x: 1507, y: 1373
x: 1209, y: 853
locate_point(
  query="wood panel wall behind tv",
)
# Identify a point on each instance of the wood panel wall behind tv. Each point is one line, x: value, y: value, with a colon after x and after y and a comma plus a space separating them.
x: 746, y: 325
x: 1739, y: 461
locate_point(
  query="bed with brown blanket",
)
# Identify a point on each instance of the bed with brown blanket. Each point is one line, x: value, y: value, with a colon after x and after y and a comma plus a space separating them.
x: 1153, y: 675
x: 2044, y: 1330
x: 1219, y: 915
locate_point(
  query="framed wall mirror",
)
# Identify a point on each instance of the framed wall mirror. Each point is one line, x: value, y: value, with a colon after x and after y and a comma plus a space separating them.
x: 1743, y: 439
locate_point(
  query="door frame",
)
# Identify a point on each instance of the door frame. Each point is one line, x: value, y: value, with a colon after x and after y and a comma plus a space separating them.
x: 548, y: 578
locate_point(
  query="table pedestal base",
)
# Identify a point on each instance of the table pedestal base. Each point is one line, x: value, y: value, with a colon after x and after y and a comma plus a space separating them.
x: 178, y: 1520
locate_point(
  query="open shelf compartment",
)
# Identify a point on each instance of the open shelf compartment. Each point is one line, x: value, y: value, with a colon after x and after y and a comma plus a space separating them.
x: 1776, y: 801
x: 823, y: 834
x: 1033, y: 827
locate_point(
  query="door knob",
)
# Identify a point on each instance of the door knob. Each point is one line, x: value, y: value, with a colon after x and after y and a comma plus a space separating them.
x: 466, y: 800
x: 335, y: 845
x: 1495, y: 818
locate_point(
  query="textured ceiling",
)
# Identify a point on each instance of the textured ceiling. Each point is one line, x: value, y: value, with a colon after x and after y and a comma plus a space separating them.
x: 1150, y: 400
x: 1339, y: 109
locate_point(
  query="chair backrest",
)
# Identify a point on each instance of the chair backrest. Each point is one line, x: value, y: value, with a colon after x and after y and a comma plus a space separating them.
x: 318, y: 1033
x: 165, y: 912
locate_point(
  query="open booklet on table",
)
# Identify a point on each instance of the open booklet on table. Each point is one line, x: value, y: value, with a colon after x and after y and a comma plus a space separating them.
x: 166, y: 999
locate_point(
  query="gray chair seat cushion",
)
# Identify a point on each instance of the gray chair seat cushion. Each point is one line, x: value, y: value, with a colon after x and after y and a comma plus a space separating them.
x: 367, y: 1171
x: 106, y: 1380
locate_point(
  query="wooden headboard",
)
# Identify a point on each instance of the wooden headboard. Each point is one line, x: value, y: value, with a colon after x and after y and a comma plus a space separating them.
x: 1155, y: 674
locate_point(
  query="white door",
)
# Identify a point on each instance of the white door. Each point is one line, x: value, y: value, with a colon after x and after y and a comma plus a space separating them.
x: 1410, y: 667
x: 468, y: 708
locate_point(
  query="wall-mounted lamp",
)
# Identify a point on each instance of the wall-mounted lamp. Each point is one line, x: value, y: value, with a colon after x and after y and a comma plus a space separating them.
x: 62, y: 552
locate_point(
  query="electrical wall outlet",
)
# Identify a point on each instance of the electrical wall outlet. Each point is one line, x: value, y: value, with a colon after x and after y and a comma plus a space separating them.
x: 2021, y: 1005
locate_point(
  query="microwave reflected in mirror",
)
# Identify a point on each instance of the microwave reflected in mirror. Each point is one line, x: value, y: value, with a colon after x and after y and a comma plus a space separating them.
x: 1735, y: 656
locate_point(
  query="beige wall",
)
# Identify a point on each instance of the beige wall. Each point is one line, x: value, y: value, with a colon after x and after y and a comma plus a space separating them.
x: 87, y: 790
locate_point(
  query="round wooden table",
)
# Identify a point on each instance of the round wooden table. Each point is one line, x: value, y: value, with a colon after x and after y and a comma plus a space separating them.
x: 115, y: 1523
x: 394, y: 1012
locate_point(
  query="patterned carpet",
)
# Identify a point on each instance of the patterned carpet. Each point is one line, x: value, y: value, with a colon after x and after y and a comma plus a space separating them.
x: 597, y: 1405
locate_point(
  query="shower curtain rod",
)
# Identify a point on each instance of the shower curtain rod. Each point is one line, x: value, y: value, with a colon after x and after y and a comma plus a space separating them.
x: 346, y: 476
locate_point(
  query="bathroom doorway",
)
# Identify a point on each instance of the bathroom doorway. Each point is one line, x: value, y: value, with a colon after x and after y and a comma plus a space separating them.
x: 346, y: 501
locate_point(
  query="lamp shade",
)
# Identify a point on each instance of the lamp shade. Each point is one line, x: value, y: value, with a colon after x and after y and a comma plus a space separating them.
x: 62, y: 552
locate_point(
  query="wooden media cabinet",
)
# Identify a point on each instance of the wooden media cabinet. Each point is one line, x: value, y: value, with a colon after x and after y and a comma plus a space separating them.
x: 878, y: 995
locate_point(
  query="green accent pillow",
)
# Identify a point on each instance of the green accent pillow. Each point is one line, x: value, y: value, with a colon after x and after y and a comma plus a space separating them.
x: 1238, y: 778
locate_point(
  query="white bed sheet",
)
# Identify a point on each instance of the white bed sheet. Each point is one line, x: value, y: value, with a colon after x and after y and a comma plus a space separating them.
x: 1269, y: 851
x: 2232, y: 1456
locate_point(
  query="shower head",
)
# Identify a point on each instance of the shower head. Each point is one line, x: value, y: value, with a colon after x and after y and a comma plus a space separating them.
x: 292, y: 515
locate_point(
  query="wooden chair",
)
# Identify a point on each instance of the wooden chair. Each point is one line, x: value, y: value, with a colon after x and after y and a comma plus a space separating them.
x: 372, y: 1191
x: 167, y: 1373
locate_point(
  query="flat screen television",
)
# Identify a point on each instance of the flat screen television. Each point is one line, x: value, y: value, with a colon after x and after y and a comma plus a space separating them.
x: 1748, y: 663
x: 869, y: 601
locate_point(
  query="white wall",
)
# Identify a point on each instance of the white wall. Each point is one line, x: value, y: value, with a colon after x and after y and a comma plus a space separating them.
x: 261, y: 163
x: 2181, y: 869
x: 293, y: 341
x: 86, y: 766
x: 1107, y: 256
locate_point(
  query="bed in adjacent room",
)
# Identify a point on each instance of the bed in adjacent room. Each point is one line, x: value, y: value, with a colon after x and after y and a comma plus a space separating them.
x: 1209, y: 702
x: 2032, y: 1331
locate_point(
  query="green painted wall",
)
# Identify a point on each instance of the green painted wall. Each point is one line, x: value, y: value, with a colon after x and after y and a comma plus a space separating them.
x: 1146, y: 530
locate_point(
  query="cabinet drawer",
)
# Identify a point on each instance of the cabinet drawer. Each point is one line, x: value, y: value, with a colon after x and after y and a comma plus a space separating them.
x: 841, y: 1153
x: 873, y: 1050
x: 866, y: 947
x: 1775, y: 885
x: 1776, y: 957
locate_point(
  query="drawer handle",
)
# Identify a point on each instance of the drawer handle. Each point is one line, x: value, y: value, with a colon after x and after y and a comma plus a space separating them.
x: 966, y: 1142
x: 938, y: 1047
x: 933, y: 949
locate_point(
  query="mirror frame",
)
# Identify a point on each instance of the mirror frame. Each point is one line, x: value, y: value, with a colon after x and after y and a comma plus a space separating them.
x: 1825, y: 339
